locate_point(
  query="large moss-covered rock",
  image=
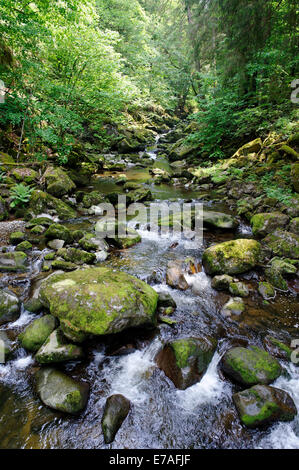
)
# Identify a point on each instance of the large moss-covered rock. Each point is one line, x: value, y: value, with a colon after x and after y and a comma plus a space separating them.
x: 13, y: 261
x: 26, y: 175
x: 9, y: 306
x: 100, y: 301
x: 295, y: 176
x: 254, y: 146
x: 58, y: 182
x: 90, y: 242
x: 260, y: 405
x: 282, y: 243
x: 57, y: 349
x: 186, y: 360
x: 182, y: 149
x: 41, y: 202
x: 232, y: 257
x: 37, y: 332
x: 92, y: 199
x: 116, y: 410
x: 250, y: 366
x: 61, y: 392
x: 263, y: 224
x: 17, y: 237
x: 58, y: 232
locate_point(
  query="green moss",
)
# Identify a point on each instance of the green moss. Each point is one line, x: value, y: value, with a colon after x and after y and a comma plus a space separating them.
x: 37, y: 333
x: 24, y: 246
x: 266, y: 411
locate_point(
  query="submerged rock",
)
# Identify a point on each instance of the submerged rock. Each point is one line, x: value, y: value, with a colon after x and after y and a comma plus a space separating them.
x: 60, y: 392
x: 250, y: 366
x: 266, y: 290
x: 57, y: 349
x: 263, y: 224
x: 9, y: 306
x: 100, y: 301
x: 261, y: 404
x: 234, y: 307
x: 232, y: 257
x: 185, y: 361
x: 37, y: 332
x: 116, y: 410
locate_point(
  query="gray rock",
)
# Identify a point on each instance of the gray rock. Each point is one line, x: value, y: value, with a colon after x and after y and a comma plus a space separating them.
x: 116, y: 410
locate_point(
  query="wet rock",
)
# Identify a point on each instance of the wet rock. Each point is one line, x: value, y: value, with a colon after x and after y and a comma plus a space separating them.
x: 56, y: 244
x: 100, y: 301
x: 277, y: 270
x: 219, y: 220
x: 266, y: 290
x: 277, y: 348
x: 37, y: 333
x: 263, y: 224
x: 90, y: 242
x: 116, y: 410
x: 42, y: 202
x: 33, y: 305
x: 222, y: 282
x: 185, y: 361
x: 165, y: 300
x: 78, y: 257
x: 61, y: 392
x: 6, y: 347
x: 57, y: 349
x: 9, y: 306
x: 234, y: 307
x: 58, y: 232
x: 261, y: 405
x: 175, y: 275
x: 232, y: 257
x: 58, y: 182
x: 294, y: 226
x: 284, y: 244
x: 238, y: 289
x: 250, y: 366
x: 17, y: 237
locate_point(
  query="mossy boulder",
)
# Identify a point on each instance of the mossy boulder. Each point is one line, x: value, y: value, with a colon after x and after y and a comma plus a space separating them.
x: 100, y: 301
x: 232, y: 257
x: 6, y: 347
x: 13, y: 261
x: 58, y: 183
x: 185, y: 361
x: 283, y: 243
x: 277, y: 271
x: 17, y: 237
x: 76, y: 256
x: 37, y: 221
x: 238, y: 289
x: 33, y: 305
x: 294, y: 226
x: 24, y: 246
x: 182, y: 149
x: 266, y: 290
x: 263, y: 224
x: 60, y: 265
x: 222, y: 282
x: 9, y: 306
x: 3, y: 210
x: 250, y: 366
x: 92, y: 199
x: 58, y: 232
x: 255, y: 146
x: 37, y: 332
x: 6, y: 161
x: 90, y: 242
x: 278, y: 348
x: 41, y: 202
x: 57, y: 349
x: 295, y: 176
x: 116, y: 410
x: 140, y: 195
x: 60, y: 392
x: 219, y: 220
x: 261, y: 405
x: 26, y: 175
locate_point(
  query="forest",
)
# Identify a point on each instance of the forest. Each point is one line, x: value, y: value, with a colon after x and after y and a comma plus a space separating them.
x: 149, y: 224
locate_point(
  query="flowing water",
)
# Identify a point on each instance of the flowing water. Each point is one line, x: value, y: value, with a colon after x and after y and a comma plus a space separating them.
x: 162, y: 417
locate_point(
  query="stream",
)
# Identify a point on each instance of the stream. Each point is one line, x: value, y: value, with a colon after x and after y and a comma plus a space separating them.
x: 162, y: 417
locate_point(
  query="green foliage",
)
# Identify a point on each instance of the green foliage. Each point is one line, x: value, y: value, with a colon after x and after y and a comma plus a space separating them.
x: 2, y: 176
x: 20, y: 195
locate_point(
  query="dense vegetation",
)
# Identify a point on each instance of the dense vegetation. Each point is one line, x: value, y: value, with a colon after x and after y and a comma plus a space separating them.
x: 84, y: 70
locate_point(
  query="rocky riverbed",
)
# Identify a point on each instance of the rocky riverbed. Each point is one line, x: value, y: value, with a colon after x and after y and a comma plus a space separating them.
x: 142, y: 342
